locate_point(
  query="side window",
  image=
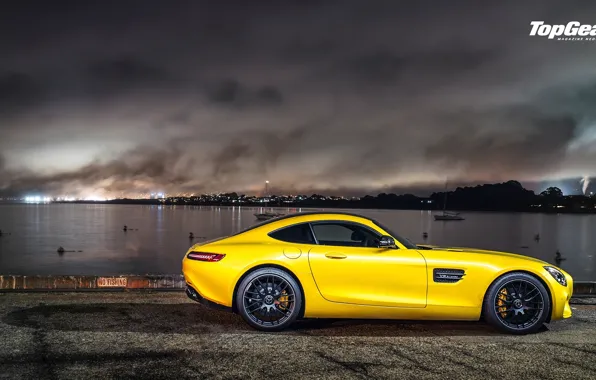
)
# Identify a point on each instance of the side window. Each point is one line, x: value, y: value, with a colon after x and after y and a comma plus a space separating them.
x: 300, y: 234
x: 345, y: 235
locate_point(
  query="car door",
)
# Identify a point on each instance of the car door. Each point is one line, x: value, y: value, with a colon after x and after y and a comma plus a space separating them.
x: 348, y: 267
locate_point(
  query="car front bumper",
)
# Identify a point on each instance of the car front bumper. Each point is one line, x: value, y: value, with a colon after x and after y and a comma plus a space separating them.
x: 561, y: 297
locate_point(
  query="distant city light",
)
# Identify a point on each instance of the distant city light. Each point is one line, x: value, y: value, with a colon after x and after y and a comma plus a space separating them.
x: 65, y: 199
x: 95, y: 198
x: 37, y: 199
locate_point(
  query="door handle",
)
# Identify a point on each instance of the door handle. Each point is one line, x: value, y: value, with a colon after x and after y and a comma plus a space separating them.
x: 335, y: 256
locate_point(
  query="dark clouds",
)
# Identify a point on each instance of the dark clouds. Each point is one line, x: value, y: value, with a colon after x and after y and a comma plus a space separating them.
x: 233, y: 93
x: 257, y: 151
x: 526, y: 144
x: 124, y: 97
x: 122, y: 74
x: 138, y: 168
x: 384, y: 67
x: 17, y: 92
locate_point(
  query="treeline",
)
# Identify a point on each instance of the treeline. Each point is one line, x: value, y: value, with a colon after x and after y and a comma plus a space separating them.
x: 507, y: 196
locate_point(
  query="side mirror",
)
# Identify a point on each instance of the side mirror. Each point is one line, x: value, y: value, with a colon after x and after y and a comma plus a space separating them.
x: 387, y: 242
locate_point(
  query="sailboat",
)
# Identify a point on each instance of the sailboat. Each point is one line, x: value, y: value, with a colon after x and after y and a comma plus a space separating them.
x: 447, y: 215
x: 267, y: 215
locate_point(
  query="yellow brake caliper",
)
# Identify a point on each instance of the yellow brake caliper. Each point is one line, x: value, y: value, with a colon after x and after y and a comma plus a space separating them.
x: 501, y: 302
x: 283, y: 300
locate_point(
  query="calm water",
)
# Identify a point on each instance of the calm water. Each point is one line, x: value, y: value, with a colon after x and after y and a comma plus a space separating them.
x: 162, y: 237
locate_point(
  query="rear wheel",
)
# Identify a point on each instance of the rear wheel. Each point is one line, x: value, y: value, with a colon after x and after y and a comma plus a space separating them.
x: 269, y: 299
x: 516, y: 303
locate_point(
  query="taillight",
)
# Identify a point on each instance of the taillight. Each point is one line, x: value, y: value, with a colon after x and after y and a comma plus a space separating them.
x: 205, y: 256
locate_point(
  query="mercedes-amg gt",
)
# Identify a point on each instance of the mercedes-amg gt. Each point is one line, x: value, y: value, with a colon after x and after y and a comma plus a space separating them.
x: 339, y: 265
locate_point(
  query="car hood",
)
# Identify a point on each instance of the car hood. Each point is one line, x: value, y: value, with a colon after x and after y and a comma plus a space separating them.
x: 423, y: 247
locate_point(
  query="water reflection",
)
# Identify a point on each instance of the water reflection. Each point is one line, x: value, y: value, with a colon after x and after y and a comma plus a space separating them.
x: 162, y: 235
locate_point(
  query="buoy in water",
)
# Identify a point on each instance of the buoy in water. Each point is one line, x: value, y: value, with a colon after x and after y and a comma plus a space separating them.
x: 537, y: 237
x: 125, y: 228
x: 60, y: 250
x: 559, y: 257
x: 425, y: 235
x: 191, y: 236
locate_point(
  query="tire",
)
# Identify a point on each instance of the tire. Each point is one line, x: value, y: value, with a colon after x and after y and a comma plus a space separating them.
x: 516, y: 303
x: 269, y: 299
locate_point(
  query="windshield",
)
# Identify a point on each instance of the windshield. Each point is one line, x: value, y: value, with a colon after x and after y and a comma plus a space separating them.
x: 405, y: 242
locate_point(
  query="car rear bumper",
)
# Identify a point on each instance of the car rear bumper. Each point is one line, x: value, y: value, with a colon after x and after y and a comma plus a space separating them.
x: 211, y: 281
x: 196, y: 296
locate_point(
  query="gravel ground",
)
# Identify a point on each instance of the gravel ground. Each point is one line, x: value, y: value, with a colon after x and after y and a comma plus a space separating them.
x: 157, y: 335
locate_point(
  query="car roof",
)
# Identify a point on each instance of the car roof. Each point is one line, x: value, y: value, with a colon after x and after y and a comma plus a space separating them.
x: 301, y: 214
x: 309, y: 213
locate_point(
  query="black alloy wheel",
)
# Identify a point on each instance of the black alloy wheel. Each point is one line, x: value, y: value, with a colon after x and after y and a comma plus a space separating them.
x: 269, y: 299
x: 517, y: 303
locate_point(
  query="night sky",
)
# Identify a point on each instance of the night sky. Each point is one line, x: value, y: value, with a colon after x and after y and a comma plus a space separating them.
x: 118, y: 98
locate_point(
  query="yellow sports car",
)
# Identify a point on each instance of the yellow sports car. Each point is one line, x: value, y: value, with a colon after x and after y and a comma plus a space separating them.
x: 339, y: 265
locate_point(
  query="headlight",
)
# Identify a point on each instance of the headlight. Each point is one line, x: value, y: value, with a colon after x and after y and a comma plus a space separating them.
x: 557, y: 275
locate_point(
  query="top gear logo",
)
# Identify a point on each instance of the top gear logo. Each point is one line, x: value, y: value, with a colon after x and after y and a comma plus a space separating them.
x: 573, y: 31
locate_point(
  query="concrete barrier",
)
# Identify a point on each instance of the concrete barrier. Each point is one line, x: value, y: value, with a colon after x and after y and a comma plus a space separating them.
x: 148, y: 282
x: 82, y: 283
x: 584, y: 289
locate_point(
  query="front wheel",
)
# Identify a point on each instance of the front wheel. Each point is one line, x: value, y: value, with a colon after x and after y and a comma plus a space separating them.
x: 269, y: 299
x: 517, y: 303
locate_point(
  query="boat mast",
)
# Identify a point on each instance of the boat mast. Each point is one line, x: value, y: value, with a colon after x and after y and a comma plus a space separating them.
x: 445, y: 200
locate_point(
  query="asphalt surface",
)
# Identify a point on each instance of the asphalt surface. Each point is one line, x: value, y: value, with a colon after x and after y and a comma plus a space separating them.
x: 165, y: 335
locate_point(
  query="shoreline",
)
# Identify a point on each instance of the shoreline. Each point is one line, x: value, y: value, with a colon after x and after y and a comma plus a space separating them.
x: 322, y: 205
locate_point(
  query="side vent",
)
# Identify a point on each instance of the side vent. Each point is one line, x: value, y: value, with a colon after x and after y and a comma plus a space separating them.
x: 448, y: 275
